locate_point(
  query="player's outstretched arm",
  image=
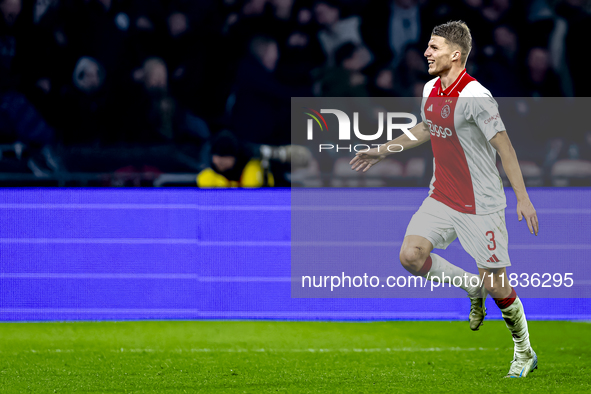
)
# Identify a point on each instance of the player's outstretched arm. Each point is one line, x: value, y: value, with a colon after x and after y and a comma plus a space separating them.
x: 365, y: 160
x: 525, y: 209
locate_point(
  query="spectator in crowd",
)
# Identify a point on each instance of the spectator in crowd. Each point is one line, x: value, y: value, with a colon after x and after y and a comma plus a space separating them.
x: 499, y: 62
x: 152, y: 116
x: 11, y: 24
x: 261, y: 100
x: 26, y: 140
x: 384, y: 84
x: 411, y: 69
x: 405, y: 26
x: 147, y: 31
x: 402, y: 81
x: 301, y: 52
x: 336, y: 29
x: 11, y: 10
x: 549, y: 32
x: 389, y: 27
x: 540, y: 79
x: 501, y: 12
x: 46, y: 42
x: 233, y: 163
x: 97, y: 29
x: 25, y: 135
x: 346, y: 78
x: 21, y: 122
x: 202, y: 75
x: 86, y: 108
x: 578, y: 20
x: 255, y: 18
x: 154, y: 106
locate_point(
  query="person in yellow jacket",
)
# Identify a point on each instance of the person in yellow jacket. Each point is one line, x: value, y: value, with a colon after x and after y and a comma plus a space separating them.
x: 232, y: 164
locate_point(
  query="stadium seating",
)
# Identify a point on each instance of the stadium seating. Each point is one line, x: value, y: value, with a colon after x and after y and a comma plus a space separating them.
x: 307, y: 177
x: 571, y: 173
x: 384, y: 174
x: 532, y: 174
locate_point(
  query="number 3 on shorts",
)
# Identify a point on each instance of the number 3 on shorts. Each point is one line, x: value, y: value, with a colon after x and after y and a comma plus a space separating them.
x: 491, y: 239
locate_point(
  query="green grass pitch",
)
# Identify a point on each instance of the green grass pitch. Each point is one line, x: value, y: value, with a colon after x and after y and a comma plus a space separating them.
x: 297, y: 357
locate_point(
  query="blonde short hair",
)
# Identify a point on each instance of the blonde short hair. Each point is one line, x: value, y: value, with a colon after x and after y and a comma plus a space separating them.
x: 458, y: 34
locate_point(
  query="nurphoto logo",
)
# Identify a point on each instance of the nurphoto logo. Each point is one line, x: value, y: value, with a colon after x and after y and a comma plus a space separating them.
x: 385, y: 121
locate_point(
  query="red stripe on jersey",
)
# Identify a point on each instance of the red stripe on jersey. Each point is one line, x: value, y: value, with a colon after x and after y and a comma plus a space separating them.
x: 488, y: 261
x: 495, y: 258
x: 453, y: 182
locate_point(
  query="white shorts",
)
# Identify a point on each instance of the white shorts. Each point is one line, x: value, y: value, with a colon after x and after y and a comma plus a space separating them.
x: 484, y: 237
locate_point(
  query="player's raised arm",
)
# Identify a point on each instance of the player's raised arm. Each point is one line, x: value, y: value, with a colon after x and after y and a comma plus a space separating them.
x: 525, y: 208
x: 365, y: 160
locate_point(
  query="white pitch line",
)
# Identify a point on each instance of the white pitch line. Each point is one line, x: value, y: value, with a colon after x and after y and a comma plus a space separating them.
x: 313, y: 350
x: 346, y: 243
x: 197, y: 207
x: 196, y: 242
x: 43, y: 275
x: 194, y: 207
x: 263, y: 350
x: 355, y: 208
x: 204, y: 314
x: 552, y: 247
x: 565, y: 211
x: 141, y: 241
x: 208, y: 279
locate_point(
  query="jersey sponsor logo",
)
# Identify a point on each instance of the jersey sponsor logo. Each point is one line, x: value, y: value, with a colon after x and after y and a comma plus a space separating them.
x: 445, y: 111
x: 497, y: 116
x: 439, y: 131
x: 430, y: 109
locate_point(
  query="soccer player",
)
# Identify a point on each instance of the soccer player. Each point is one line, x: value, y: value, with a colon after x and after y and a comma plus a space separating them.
x: 466, y: 198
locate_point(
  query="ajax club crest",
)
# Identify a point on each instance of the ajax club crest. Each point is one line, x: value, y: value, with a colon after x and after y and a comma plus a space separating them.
x: 445, y: 111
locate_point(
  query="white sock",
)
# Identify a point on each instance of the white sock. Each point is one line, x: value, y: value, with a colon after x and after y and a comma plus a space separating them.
x: 514, y: 317
x: 443, y: 269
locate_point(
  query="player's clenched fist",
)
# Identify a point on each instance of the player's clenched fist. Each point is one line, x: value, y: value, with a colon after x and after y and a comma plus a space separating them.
x: 365, y: 160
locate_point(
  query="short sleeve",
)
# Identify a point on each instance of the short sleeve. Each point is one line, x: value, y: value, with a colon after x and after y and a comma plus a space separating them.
x: 423, y: 102
x: 484, y: 111
x: 426, y: 93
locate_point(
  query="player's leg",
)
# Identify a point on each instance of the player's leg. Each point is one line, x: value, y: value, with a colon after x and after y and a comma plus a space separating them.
x: 416, y: 258
x: 429, y: 228
x: 496, y: 282
x: 486, y: 239
x: 414, y: 252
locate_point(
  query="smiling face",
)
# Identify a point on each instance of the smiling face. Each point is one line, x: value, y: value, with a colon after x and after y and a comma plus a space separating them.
x: 441, y: 55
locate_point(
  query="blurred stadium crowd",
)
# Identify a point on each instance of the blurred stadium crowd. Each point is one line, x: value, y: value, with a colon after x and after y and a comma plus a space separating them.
x: 153, y: 92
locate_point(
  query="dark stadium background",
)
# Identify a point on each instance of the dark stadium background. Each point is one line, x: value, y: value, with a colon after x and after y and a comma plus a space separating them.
x: 107, y: 93
x: 130, y: 92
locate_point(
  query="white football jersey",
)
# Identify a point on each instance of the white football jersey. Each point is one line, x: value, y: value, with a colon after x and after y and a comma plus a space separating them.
x: 462, y: 120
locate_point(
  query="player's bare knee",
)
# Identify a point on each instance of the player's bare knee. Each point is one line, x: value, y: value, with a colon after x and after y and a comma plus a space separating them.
x: 407, y: 257
x: 412, y: 258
